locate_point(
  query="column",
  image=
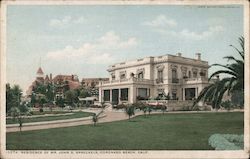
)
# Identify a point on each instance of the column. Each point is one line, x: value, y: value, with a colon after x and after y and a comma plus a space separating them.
x: 183, y: 94
x: 100, y: 94
x: 132, y: 94
x: 110, y: 91
x: 119, y: 96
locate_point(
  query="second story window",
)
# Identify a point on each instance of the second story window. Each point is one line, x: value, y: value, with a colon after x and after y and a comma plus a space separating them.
x: 141, y: 75
x: 113, y: 77
x: 174, y: 76
x: 189, y: 74
x: 160, y: 76
x: 195, y: 74
x: 174, y: 73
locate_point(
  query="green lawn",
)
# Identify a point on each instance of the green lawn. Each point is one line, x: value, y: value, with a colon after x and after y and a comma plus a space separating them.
x: 50, y: 118
x: 159, y: 132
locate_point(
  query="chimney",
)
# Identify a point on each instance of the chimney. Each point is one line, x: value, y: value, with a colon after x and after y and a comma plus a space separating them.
x: 198, y: 56
x: 178, y: 54
x: 50, y: 77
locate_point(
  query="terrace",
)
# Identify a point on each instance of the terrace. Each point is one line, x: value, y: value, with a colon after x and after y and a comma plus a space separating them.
x: 132, y: 80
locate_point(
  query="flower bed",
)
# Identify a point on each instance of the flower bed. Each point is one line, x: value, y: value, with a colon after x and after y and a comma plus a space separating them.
x: 226, y: 141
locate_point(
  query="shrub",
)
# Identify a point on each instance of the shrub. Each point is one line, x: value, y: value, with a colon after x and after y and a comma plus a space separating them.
x: 41, y: 110
x: 227, y: 104
x: 226, y: 141
x: 120, y: 106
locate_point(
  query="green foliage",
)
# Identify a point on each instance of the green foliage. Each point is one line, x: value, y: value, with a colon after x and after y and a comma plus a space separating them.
x: 95, y: 119
x: 226, y: 141
x: 71, y: 97
x: 237, y: 98
x: 235, y: 82
x: 227, y: 104
x: 84, y: 93
x: 13, y: 96
x: 130, y: 110
x: 60, y: 102
x: 182, y: 131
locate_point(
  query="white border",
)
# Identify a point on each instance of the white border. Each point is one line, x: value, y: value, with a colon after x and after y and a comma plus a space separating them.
x: 150, y: 154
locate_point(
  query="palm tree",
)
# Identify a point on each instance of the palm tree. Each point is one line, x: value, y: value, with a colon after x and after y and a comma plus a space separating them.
x: 230, y: 84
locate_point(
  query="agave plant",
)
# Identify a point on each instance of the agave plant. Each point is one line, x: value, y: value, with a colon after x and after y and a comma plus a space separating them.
x: 230, y: 84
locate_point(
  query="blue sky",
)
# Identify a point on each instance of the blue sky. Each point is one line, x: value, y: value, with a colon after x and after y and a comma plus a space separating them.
x: 85, y: 40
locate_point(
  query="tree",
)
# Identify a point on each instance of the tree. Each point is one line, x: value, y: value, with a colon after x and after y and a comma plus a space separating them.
x: 84, y: 93
x: 230, y: 84
x: 60, y: 102
x: 94, y: 119
x: 130, y: 110
x: 50, y: 95
x: 70, y: 96
x: 13, y: 96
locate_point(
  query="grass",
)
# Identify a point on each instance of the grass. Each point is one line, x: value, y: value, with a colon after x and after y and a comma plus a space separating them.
x: 50, y: 118
x: 155, y: 132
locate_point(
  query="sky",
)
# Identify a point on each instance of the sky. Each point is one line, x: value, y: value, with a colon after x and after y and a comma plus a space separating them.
x: 85, y: 40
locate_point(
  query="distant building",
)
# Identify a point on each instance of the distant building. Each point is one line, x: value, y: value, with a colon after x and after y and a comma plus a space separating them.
x: 174, y: 76
x: 61, y: 82
x: 91, y: 84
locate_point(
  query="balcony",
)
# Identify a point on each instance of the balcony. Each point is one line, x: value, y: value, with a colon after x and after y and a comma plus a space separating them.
x: 132, y: 80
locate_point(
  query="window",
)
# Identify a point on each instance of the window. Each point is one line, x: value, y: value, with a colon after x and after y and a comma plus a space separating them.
x: 160, y: 76
x: 140, y: 75
x: 122, y: 76
x: 174, y: 73
x: 124, y: 94
x: 142, y: 92
x: 106, y: 95
x: 113, y: 77
x: 174, y: 76
x: 189, y: 74
x: 195, y: 74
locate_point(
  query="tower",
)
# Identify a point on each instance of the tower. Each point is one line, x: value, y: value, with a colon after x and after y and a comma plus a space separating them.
x: 40, y: 75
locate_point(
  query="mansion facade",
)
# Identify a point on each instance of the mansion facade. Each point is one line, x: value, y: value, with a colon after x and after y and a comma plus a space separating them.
x: 165, y: 77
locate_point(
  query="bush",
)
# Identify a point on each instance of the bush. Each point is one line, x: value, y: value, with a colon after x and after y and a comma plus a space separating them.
x: 227, y: 104
x: 41, y: 110
x: 226, y: 141
x: 120, y: 106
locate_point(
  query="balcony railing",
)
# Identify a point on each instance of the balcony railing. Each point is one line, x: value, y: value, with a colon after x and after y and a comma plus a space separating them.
x: 128, y: 80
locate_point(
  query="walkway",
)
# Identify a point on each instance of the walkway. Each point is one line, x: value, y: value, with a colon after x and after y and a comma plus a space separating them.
x: 106, y: 116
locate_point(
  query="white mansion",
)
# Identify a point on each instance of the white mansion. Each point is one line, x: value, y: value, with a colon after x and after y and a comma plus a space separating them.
x: 174, y: 77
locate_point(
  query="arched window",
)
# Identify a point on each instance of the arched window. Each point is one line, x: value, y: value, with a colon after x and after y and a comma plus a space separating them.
x: 189, y: 74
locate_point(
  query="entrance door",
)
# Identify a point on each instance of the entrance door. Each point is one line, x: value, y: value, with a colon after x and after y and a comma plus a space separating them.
x: 115, y: 96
